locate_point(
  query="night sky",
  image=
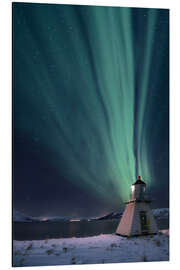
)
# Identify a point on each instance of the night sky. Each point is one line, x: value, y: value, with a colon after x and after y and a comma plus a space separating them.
x: 90, y: 107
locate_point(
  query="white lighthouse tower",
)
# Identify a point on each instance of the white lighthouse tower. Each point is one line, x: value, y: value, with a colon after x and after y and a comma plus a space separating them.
x: 137, y: 218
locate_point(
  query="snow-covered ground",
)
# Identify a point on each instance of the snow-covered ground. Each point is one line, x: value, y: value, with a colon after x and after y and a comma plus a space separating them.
x: 107, y: 248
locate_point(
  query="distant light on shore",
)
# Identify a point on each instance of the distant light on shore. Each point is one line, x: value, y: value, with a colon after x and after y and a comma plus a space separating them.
x: 44, y: 219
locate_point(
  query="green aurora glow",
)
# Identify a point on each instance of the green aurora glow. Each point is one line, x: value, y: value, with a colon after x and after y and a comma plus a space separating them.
x: 87, y: 77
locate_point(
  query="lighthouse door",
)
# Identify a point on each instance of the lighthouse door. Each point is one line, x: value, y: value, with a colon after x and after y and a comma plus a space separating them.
x: 143, y: 221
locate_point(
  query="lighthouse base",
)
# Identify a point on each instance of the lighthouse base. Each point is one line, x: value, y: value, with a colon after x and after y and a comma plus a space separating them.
x: 137, y: 220
x: 135, y: 235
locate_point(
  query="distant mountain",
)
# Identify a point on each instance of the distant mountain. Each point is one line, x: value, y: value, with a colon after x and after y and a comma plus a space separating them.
x: 112, y: 215
x: 56, y: 218
x: 19, y: 217
x: 159, y: 213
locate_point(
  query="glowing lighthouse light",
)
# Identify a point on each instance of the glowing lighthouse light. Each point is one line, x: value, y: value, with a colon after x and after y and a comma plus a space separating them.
x: 138, y: 189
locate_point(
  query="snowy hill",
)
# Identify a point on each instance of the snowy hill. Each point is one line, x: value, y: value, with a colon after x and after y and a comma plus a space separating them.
x: 19, y: 217
x: 56, y: 218
x: 159, y: 213
x: 111, y: 216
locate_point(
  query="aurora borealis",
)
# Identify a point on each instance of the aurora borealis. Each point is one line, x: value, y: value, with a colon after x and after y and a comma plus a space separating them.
x: 90, y: 107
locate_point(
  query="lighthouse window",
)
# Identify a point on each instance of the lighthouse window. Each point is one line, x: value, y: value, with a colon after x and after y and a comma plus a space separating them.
x: 143, y: 220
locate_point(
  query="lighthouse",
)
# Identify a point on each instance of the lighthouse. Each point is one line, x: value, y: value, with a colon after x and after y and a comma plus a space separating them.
x: 137, y: 218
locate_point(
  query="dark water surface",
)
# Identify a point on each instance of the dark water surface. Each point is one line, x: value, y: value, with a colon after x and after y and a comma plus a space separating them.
x: 64, y: 229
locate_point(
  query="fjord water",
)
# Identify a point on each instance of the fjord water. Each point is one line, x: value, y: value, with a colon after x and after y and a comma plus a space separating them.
x: 66, y: 229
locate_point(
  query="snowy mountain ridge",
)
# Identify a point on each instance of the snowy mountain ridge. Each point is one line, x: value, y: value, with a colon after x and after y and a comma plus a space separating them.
x: 18, y: 216
x: 159, y: 213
